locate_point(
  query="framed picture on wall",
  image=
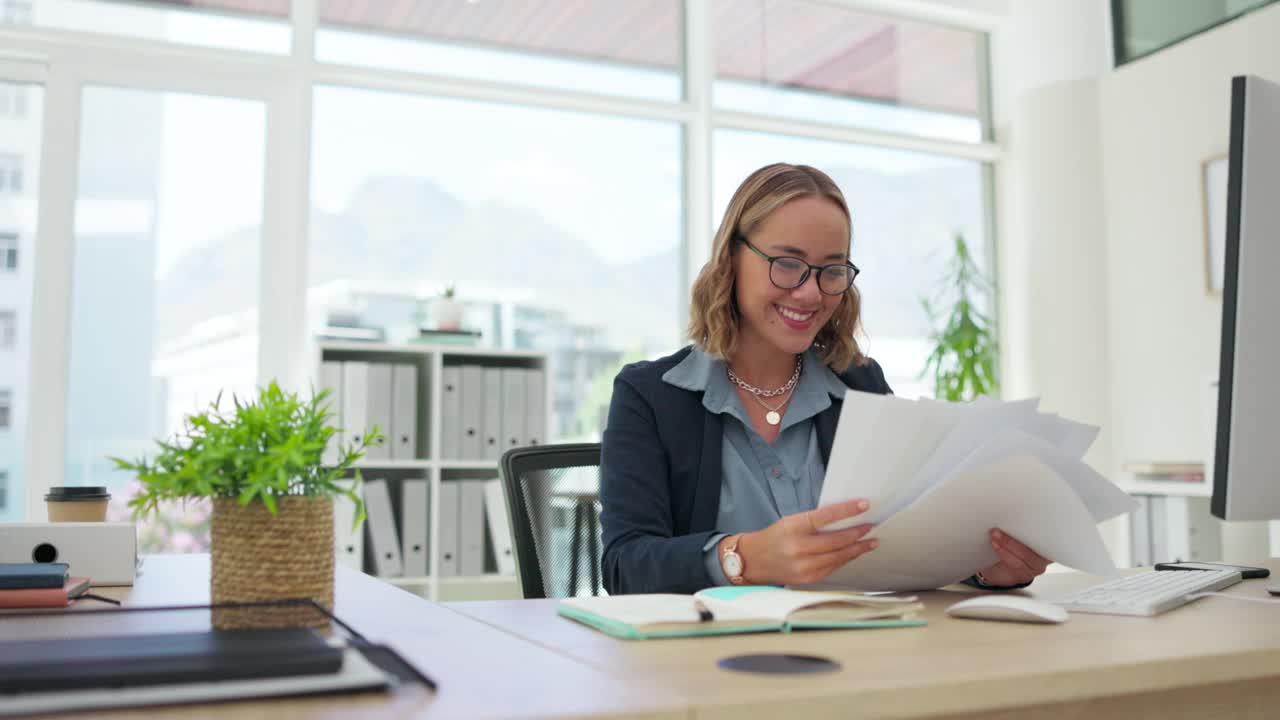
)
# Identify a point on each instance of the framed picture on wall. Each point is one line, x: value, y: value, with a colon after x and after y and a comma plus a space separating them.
x: 1213, y: 187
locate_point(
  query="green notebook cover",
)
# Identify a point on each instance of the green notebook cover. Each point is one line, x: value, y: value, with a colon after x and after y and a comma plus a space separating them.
x: 693, y: 628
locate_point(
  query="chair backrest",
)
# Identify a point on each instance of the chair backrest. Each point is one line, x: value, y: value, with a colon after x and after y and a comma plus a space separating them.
x: 552, y: 497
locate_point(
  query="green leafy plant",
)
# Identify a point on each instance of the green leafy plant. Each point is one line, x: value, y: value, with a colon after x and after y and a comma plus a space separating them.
x: 965, y: 349
x: 449, y: 291
x: 261, y: 450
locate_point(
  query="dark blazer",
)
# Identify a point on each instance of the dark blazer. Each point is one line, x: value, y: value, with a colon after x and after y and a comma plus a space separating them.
x: 660, y: 476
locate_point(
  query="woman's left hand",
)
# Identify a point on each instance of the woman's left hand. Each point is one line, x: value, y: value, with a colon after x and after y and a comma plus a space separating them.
x: 1018, y: 563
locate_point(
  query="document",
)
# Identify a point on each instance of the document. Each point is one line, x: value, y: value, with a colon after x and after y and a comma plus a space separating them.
x: 940, y: 475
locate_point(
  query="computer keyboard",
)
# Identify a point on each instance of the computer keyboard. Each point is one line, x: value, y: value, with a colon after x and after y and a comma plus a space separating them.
x: 1148, y: 593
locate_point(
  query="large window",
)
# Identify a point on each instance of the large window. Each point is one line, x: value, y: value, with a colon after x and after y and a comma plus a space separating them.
x: 230, y: 180
x: 906, y: 207
x: 164, y: 297
x: 547, y: 222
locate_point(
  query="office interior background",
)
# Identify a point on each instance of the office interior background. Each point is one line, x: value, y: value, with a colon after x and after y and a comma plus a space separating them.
x: 192, y: 192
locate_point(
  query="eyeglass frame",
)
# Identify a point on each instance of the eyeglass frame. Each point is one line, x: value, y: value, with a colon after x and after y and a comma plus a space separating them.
x: 807, y: 271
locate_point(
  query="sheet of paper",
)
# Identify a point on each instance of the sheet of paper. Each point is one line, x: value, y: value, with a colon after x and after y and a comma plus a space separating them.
x: 942, y: 538
x: 887, y: 438
x: 1079, y: 438
x: 1100, y: 496
x: 978, y: 424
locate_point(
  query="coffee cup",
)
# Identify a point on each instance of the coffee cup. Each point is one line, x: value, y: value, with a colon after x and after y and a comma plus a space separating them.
x: 77, y: 504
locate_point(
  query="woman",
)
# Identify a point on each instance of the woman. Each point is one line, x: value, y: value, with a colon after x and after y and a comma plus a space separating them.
x: 713, y: 457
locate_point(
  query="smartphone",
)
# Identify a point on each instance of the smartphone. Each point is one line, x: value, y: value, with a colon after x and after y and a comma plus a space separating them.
x: 1245, y: 571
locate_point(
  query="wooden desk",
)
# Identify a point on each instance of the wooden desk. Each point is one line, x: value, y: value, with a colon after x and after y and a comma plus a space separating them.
x: 482, y: 672
x: 1214, y: 658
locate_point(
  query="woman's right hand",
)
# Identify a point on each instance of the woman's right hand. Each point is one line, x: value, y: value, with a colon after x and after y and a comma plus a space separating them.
x: 793, y: 551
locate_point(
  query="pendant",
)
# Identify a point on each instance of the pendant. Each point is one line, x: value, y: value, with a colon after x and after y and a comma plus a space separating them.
x: 772, y: 417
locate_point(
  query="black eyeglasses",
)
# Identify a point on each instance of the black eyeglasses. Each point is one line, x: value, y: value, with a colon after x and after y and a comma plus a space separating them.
x: 788, y: 273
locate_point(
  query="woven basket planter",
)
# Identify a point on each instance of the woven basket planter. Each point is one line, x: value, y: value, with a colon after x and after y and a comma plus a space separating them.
x: 260, y: 557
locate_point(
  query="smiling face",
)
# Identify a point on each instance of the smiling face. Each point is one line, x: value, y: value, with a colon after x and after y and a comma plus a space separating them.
x: 812, y: 228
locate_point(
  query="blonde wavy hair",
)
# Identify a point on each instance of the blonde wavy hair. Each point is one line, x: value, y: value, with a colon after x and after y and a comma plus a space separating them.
x: 713, y: 311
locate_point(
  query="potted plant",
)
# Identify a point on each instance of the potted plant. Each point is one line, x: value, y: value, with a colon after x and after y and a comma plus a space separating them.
x: 272, y: 520
x: 447, y: 311
x: 965, y: 348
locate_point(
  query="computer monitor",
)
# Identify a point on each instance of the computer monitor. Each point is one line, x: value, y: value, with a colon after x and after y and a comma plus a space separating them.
x: 1246, y: 462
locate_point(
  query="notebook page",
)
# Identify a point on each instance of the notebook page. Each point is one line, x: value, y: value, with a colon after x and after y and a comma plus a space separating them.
x: 652, y: 609
x: 779, y: 603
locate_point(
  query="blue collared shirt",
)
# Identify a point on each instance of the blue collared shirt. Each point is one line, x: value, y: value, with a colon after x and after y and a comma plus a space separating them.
x: 760, y: 483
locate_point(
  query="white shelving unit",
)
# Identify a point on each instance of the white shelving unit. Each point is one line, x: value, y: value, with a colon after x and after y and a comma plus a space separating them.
x: 1168, y: 487
x: 430, y: 361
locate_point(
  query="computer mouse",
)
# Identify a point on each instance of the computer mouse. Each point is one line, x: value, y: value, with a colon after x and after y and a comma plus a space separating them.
x: 1011, y: 608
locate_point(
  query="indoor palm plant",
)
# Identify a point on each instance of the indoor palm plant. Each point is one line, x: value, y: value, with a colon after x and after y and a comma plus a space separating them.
x: 272, y: 522
x: 965, y: 350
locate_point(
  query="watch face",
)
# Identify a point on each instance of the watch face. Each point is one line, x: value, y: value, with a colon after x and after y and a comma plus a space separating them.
x: 732, y: 565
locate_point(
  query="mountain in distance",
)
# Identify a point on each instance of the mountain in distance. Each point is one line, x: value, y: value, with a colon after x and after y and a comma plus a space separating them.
x: 399, y: 233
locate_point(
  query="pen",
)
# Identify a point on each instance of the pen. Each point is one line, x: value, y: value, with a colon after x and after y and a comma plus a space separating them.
x: 704, y: 613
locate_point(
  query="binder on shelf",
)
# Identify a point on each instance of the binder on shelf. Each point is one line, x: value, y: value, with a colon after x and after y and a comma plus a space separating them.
x: 495, y: 510
x: 535, y: 406
x: 471, y: 528
x: 491, y: 421
x: 348, y: 541
x: 447, y: 551
x: 331, y: 379
x: 403, y: 434
x: 382, y: 529
x: 378, y: 398
x: 355, y: 403
x: 513, y: 412
x: 451, y: 413
x: 471, y: 390
x: 413, y: 526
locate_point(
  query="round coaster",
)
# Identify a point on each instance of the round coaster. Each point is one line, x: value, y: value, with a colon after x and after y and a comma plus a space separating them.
x: 779, y: 663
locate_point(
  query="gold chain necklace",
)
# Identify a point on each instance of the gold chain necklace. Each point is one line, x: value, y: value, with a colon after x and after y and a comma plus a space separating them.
x: 766, y: 393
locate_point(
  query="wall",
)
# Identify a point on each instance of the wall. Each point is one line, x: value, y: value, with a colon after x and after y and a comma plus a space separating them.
x: 1047, y: 58
x: 1104, y: 309
x: 1162, y: 116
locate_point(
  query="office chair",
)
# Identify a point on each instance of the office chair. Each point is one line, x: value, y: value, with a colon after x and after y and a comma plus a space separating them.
x: 552, y: 495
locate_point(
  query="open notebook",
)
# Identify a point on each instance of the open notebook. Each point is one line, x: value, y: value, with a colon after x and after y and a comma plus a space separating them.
x: 738, y: 610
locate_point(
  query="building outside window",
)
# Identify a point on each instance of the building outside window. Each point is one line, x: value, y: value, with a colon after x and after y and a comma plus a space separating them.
x: 16, y: 11
x: 6, y: 408
x: 8, y: 251
x: 8, y: 329
x: 10, y: 174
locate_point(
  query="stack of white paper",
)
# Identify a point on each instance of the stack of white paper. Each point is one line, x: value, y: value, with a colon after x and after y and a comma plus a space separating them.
x: 940, y: 475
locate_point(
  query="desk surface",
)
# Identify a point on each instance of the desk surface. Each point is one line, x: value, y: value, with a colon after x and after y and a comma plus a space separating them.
x: 482, y: 672
x: 1214, y: 658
